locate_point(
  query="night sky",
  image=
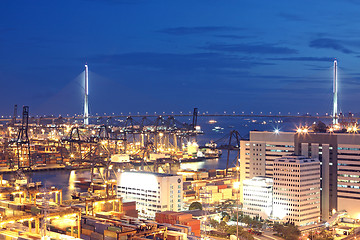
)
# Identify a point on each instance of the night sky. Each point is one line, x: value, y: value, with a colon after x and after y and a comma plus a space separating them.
x: 163, y: 56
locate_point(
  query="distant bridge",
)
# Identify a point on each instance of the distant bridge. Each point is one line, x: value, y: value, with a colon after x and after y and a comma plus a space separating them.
x: 79, y: 117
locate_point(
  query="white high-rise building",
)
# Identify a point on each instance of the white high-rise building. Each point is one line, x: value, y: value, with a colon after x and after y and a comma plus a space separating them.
x: 257, y: 155
x: 339, y: 154
x: 296, y: 194
x: 153, y: 192
x: 258, y: 197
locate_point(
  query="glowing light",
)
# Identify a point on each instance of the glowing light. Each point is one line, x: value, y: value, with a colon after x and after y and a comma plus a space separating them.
x: 236, y: 185
x: 305, y: 130
x: 331, y: 129
x: 72, y: 178
x: 298, y: 130
x: 136, y: 179
x: 276, y: 131
x: 280, y: 212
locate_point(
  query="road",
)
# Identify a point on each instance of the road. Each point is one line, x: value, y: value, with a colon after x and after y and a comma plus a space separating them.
x: 267, y: 235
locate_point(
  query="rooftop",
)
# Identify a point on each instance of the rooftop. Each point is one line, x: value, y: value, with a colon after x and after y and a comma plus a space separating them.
x: 295, y: 159
x: 152, y: 173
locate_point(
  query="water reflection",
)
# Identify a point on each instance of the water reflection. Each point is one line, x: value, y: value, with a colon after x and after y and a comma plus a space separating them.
x: 208, y: 164
x: 72, y: 179
x: 66, y: 179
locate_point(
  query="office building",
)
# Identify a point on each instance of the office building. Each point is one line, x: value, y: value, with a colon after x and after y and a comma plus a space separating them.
x: 153, y: 192
x: 258, y: 154
x: 296, y: 194
x: 258, y: 197
x: 338, y: 153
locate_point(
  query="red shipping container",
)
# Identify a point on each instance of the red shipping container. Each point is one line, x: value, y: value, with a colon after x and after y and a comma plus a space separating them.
x: 222, y: 186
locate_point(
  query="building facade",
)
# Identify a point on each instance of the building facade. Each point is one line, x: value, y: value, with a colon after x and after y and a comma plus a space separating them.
x: 296, y: 197
x: 339, y: 154
x: 258, y: 197
x: 257, y: 155
x: 153, y: 192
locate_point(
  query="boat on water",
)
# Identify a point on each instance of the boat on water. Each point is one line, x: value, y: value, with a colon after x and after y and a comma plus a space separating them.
x: 217, y: 129
x: 85, y: 183
x: 20, y: 178
x: 77, y: 166
x: 210, y: 151
x: 79, y: 195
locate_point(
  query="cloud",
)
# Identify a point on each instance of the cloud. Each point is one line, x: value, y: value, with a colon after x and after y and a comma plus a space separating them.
x: 197, y: 30
x: 329, y: 44
x: 230, y: 36
x: 250, y: 48
x: 305, y: 59
x: 117, y: 1
x: 291, y: 17
x: 6, y: 30
x: 185, y: 66
x: 176, y: 60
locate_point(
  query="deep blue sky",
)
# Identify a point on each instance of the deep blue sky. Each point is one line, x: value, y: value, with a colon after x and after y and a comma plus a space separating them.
x: 174, y: 55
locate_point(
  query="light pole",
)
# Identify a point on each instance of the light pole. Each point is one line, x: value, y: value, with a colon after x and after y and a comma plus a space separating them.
x: 205, y: 196
x: 237, y: 187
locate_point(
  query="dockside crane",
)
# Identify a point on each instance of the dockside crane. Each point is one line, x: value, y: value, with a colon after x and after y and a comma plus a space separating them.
x: 230, y: 143
x: 23, y: 142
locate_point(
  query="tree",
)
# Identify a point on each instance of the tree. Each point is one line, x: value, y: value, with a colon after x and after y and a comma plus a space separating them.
x: 226, y: 206
x: 319, y: 127
x: 226, y: 218
x: 279, y: 228
x: 232, y: 230
x: 247, y: 220
x: 195, y: 205
x: 213, y: 223
x: 246, y: 235
x: 222, y: 226
x: 323, y: 235
x: 289, y: 232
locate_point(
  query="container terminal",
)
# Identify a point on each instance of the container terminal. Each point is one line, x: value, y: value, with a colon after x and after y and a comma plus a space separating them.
x: 30, y: 211
x: 31, y: 145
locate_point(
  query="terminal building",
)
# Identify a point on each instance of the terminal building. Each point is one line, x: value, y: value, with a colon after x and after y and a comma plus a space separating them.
x: 338, y: 153
x: 153, y: 192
